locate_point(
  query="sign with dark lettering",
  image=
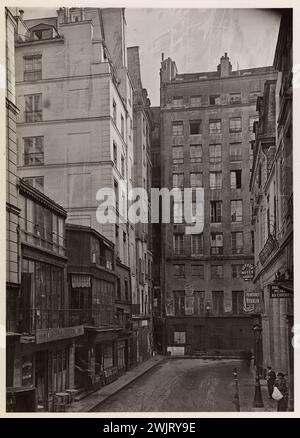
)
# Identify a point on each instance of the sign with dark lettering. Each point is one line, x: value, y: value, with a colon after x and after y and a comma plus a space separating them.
x: 247, y: 271
x: 277, y: 292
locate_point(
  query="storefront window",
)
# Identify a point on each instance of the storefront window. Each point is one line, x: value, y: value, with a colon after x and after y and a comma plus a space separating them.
x: 27, y: 370
x: 108, y: 356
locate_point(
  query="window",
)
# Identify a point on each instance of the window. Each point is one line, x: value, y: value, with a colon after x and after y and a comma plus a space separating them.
x: 215, y: 180
x: 178, y: 244
x: 196, y: 153
x: 179, y: 270
x: 237, y: 242
x: 37, y: 182
x: 215, y: 126
x: 43, y: 34
x: 252, y: 241
x: 178, y: 211
x: 199, y: 297
x: 235, y: 124
x: 215, y: 153
x: 218, y: 302
x: 198, y: 271
x: 195, y: 100
x: 177, y: 128
x: 237, y: 302
x: 235, y: 98
x: 178, y: 180
x: 177, y: 154
x: 33, y: 108
x: 215, y: 211
x: 115, y: 152
x: 196, y: 244
x: 236, y: 271
x: 179, y: 337
x: 179, y: 303
x: 214, y: 99
x: 217, y: 271
x: 252, y: 120
x: 236, y: 179
x: 33, y: 151
x: 32, y: 68
x: 195, y: 127
x: 196, y: 179
x: 114, y: 111
x: 216, y: 243
x: 235, y: 152
x: 251, y: 154
x: 177, y: 101
x: 122, y: 126
x: 236, y: 210
x: 253, y: 96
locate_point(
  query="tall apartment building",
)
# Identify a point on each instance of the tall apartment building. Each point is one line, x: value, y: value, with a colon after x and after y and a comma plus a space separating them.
x: 272, y: 189
x: 75, y: 130
x: 206, y: 122
x: 142, y: 126
x: 12, y: 209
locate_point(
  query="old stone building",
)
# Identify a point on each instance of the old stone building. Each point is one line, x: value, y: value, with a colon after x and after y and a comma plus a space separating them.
x: 142, y: 127
x: 272, y: 189
x: 205, y: 136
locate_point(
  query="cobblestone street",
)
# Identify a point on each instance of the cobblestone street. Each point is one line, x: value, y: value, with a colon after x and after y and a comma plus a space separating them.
x: 187, y: 385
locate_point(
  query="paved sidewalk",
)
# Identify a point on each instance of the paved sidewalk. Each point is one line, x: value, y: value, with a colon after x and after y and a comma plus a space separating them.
x: 246, y: 393
x: 92, y: 400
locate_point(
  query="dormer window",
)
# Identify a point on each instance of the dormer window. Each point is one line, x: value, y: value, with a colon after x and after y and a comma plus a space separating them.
x: 43, y: 32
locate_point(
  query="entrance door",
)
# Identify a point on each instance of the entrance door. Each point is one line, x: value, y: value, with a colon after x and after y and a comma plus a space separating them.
x: 198, y: 338
x: 41, y: 379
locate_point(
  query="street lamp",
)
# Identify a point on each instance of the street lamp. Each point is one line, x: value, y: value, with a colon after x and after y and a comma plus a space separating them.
x: 257, y: 402
x: 207, y: 308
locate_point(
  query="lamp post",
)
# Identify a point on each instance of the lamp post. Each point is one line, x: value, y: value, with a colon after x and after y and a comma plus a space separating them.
x: 257, y: 402
x: 207, y: 308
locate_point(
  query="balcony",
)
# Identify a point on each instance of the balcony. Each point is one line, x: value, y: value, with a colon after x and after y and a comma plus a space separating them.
x: 42, y: 325
x: 42, y: 237
x: 33, y: 159
x: 33, y: 116
x: 93, y: 317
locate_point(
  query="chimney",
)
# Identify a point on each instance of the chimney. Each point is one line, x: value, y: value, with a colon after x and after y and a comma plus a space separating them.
x: 225, y: 67
x: 168, y: 70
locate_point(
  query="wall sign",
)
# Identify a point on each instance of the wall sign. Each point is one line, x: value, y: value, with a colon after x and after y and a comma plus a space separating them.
x: 247, y: 271
x: 252, y: 298
x: 277, y: 292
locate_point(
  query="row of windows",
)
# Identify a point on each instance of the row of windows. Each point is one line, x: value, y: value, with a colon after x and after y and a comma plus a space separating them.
x: 216, y: 243
x: 236, y: 211
x: 217, y: 271
x: 215, y: 126
x: 215, y: 179
x: 195, y: 305
x: 215, y: 153
x: 213, y: 99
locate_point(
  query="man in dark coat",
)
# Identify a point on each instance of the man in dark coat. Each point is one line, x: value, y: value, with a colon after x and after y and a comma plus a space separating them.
x: 271, y: 379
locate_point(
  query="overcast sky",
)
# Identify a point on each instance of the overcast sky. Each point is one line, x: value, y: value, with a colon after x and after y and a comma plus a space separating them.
x: 195, y: 38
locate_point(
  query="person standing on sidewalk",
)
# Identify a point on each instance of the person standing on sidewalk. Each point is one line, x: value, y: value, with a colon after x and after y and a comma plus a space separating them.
x: 282, y: 386
x: 271, y: 379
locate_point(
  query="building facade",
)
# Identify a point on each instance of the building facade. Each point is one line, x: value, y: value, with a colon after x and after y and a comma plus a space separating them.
x: 205, y: 133
x: 40, y: 331
x: 75, y: 127
x: 104, y: 352
x: 142, y: 126
x: 272, y: 189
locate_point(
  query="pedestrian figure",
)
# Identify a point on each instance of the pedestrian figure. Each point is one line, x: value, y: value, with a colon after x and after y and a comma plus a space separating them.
x: 281, y: 384
x: 271, y: 379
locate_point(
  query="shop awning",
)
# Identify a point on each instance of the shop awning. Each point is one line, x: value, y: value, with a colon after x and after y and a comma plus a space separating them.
x: 80, y: 280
